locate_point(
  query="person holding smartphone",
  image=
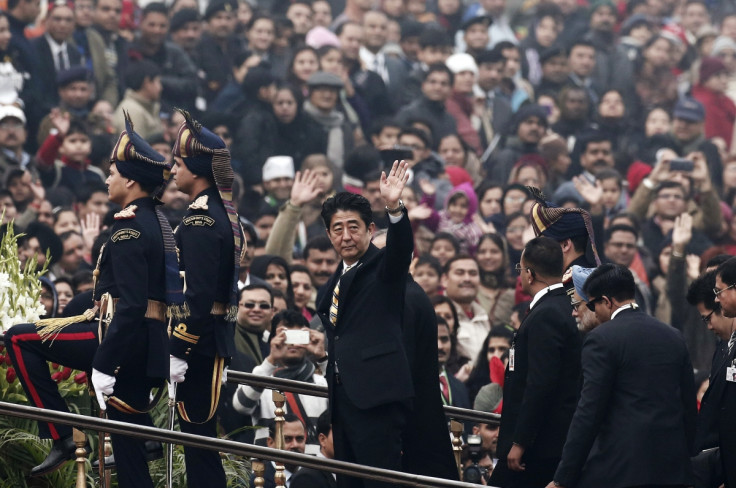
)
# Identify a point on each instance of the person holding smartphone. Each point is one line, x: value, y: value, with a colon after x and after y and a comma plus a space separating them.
x: 296, y: 352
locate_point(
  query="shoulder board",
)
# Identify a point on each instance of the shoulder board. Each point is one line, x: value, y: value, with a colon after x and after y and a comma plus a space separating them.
x: 200, y: 203
x: 199, y: 220
x: 125, y: 234
x: 567, y: 277
x: 126, y: 213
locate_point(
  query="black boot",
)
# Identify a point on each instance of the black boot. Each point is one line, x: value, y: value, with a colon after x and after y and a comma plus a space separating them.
x: 154, y: 451
x: 61, y: 452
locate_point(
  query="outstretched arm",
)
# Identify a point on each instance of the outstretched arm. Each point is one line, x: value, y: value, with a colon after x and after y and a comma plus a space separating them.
x: 400, y: 240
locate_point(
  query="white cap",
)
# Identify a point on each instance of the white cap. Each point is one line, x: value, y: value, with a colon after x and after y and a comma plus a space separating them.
x: 12, y: 111
x: 278, y: 167
x: 460, y: 62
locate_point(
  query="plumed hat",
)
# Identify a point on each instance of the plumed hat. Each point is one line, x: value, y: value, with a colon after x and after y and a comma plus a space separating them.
x: 206, y: 154
x: 137, y: 160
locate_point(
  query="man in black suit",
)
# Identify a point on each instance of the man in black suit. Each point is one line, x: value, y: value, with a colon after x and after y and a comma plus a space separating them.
x: 635, y: 422
x: 55, y: 50
x: 725, y: 293
x: 707, y: 460
x: 542, y: 376
x: 314, y: 478
x: 368, y: 373
x: 295, y: 440
x: 426, y: 447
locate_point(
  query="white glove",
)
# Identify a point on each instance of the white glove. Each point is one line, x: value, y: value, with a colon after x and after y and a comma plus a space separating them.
x: 177, y: 369
x: 103, y: 384
x: 224, y: 375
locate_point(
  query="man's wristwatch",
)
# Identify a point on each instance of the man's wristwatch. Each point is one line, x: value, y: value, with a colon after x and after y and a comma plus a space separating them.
x: 398, y: 209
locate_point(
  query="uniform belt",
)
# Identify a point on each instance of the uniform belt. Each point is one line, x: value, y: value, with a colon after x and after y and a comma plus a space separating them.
x: 218, y: 308
x: 155, y: 310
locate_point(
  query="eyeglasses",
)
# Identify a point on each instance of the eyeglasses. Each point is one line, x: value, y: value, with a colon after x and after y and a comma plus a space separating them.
x: 576, y: 304
x: 262, y: 306
x: 717, y: 292
x: 706, y: 318
x: 591, y: 304
x: 519, y: 268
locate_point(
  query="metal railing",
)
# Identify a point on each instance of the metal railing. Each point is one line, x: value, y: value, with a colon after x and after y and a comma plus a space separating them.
x: 301, y: 387
x: 227, y: 446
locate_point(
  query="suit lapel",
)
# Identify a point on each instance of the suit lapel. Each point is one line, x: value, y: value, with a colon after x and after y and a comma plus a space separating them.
x: 347, y: 279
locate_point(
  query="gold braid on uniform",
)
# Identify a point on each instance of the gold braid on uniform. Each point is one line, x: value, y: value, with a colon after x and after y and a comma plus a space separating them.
x: 50, y: 328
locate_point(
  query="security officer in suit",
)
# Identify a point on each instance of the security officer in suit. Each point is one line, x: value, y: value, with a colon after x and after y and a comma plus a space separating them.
x: 542, y: 377
x: 368, y: 373
x: 707, y: 461
x: 209, y: 242
x: 635, y: 422
x: 136, y: 281
x: 315, y: 478
x: 427, y: 449
x: 725, y: 291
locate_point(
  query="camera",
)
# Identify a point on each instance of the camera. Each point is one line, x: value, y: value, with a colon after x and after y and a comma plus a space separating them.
x: 475, y: 473
x: 682, y: 164
x: 297, y: 337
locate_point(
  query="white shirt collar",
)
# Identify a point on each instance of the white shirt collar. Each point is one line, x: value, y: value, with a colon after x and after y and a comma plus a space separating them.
x: 632, y: 306
x: 55, y: 46
x: 320, y: 455
x: 346, y: 267
x: 543, y: 292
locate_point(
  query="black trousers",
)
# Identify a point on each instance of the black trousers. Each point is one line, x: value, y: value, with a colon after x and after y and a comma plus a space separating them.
x: 366, y: 436
x: 75, y: 347
x: 204, y: 467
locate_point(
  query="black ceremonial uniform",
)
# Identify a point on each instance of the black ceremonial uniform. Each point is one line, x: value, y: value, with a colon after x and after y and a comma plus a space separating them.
x: 134, y: 348
x: 204, y: 339
x: 208, y: 240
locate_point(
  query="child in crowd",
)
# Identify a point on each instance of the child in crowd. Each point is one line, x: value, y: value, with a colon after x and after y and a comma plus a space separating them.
x: 458, y: 217
x: 426, y: 271
x: 612, y: 186
x: 444, y: 247
x: 63, y: 159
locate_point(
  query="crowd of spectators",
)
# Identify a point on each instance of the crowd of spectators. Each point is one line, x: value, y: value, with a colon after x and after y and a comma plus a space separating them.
x: 626, y: 109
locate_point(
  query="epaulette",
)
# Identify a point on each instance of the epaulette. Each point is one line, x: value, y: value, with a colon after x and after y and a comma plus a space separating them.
x: 567, y: 277
x: 200, y: 203
x: 126, y: 213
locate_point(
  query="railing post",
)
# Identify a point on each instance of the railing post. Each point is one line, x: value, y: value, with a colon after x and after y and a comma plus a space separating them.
x: 108, y: 453
x: 80, y: 440
x: 279, y: 477
x: 259, y: 468
x: 457, y: 444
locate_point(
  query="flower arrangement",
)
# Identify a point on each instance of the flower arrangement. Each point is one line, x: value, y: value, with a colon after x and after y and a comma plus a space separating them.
x: 20, y: 289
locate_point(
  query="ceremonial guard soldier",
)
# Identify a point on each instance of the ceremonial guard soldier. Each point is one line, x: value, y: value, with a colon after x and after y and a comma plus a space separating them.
x: 209, y: 243
x: 126, y: 349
